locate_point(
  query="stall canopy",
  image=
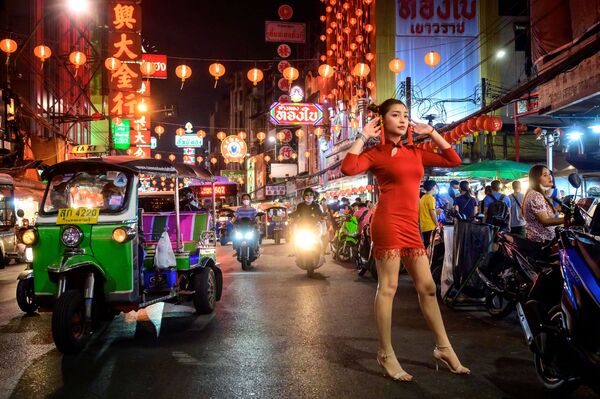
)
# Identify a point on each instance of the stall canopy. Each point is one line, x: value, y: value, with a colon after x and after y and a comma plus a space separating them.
x: 496, y: 169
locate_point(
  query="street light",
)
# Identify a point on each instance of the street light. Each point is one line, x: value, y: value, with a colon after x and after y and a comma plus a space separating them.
x: 78, y: 6
x: 500, y: 53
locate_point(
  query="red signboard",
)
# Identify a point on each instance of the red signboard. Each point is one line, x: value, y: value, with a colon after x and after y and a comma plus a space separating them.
x: 221, y: 190
x: 140, y: 138
x: 296, y: 114
x: 160, y: 60
x: 139, y: 152
x: 288, y: 32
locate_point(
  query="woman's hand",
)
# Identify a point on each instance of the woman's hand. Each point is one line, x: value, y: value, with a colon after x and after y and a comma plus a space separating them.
x: 422, y: 128
x: 372, y: 129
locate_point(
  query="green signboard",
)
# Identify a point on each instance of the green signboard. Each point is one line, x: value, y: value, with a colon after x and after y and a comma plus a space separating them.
x: 121, y: 135
x: 237, y: 176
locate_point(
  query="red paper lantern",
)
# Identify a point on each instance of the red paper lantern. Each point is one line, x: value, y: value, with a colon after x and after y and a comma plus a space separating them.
x: 488, y: 124
x: 471, y: 124
x: 463, y: 128
x: 496, y: 123
x: 480, y: 122
x: 455, y: 134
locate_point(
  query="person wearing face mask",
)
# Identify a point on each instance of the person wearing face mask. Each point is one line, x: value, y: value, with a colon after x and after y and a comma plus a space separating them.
x: 398, y: 166
x: 246, y: 210
x: 540, y: 214
x: 308, y: 210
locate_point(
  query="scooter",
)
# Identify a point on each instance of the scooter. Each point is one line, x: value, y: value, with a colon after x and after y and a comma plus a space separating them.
x: 365, y: 261
x: 561, y: 319
x: 345, y: 244
x: 246, y: 241
x: 308, y: 247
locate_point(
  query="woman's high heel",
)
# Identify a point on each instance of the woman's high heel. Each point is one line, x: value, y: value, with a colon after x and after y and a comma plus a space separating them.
x: 439, y: 358
x: 400, y: 376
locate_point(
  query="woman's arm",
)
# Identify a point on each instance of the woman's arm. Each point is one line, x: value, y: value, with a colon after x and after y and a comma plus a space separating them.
x: 548, y: 221
x: 357, y: 161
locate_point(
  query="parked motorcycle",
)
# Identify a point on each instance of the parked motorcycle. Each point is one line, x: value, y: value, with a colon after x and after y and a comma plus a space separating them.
x: 510, y: 272
x: 308, y: 247
x: 365, y: 261
x: 246, y: 239
x: 345, y: 244
x: 561, y: 318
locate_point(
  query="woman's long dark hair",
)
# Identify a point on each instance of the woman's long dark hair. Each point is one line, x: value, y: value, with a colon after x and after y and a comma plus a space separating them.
x: 535, y: 173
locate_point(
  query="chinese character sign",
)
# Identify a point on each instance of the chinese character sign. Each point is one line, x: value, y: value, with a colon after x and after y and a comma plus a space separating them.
x: 140, y: 138
x: 125, y: 44
x: 189, y: 156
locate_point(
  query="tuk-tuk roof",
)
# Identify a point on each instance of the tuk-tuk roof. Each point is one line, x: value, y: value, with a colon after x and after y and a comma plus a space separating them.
x: 268, y: 205
x: 131, y: 164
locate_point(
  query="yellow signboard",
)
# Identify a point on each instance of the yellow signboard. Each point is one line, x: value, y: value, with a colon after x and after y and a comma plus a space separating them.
x: 89, y: 149
x: 77, y: 216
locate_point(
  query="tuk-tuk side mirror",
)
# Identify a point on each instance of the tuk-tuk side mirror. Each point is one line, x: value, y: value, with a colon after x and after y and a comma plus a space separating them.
x: 20, y: 213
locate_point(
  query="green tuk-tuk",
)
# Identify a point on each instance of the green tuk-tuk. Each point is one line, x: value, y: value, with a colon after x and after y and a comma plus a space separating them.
x: 94, y: 248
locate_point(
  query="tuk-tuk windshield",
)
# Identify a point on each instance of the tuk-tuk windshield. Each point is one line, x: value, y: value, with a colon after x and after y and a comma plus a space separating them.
x: 104, y: 190
x: 7, y: 217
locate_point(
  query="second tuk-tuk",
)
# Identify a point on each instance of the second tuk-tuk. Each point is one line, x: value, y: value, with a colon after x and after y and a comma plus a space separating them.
x: 276, y: 221
x: 94, y: 250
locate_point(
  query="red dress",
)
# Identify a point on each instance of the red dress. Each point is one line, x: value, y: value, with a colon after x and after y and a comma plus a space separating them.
x: 395, y: 224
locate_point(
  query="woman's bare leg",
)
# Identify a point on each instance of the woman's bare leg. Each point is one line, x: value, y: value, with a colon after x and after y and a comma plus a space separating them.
x: 418, y: 268
x: 387, y: 270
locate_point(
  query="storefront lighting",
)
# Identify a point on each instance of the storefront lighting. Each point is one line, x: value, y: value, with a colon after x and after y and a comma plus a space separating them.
x: 78, y: 6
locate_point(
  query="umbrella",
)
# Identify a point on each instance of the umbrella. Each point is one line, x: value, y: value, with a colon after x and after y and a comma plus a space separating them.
x: 496, y: 169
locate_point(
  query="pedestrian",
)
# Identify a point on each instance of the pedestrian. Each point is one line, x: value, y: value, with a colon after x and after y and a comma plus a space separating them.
x: 496, y: 207
x: 465, y: 204
x: 363, y: 214
x: 427, y: 212
x: 538, y: 210
x: 398, y: 168
x: 517, y: 221
x: 454, y: 190
x: 486, y: 192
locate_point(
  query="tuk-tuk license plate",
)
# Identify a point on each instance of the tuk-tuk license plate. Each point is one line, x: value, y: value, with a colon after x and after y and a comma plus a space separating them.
x: 77, y: 216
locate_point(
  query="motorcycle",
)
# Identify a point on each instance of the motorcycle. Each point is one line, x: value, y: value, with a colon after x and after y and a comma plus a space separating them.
x: 365, y: 261
x: 246, y: 242
x: 561, y: 318
x: 308, y: 247
x: 345, y: 244
x: 510, y: 272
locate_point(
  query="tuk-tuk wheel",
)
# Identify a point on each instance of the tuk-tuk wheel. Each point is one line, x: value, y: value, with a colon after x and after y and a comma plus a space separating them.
x: 205, y: 287
x: 25, y: 298
x: 69, y: 328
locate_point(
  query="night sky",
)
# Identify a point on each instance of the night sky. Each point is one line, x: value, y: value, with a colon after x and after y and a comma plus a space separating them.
x: 225, y: 29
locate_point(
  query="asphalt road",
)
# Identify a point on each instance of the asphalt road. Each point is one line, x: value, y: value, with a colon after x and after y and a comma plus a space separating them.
x: 275, y: 334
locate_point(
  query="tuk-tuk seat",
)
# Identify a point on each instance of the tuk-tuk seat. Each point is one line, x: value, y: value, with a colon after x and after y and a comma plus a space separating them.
x: 192, y: 224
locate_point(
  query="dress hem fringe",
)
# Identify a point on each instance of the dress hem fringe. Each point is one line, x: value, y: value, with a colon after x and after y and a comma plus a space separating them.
x: 381, y: 253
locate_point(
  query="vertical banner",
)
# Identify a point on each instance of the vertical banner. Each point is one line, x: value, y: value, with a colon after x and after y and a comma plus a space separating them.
x: 451, y: 28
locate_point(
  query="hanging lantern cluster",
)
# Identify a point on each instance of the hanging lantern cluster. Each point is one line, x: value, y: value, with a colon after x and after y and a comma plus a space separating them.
x: 482, y: 124
x: 348, y: 37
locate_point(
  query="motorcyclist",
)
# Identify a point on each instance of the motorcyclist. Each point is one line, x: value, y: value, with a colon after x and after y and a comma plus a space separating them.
x: 309, y: 212
x: 246, y: 211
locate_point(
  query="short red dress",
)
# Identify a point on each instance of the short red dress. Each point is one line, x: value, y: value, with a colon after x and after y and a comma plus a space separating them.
x: 395, y: 224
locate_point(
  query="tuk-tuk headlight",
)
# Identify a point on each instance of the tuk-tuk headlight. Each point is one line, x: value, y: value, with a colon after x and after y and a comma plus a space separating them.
x: 119, y: 235
x: 29, y: 237
x: 72, y: 236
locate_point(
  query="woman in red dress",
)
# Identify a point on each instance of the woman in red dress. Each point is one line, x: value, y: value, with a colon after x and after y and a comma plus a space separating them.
x: 395, y: 226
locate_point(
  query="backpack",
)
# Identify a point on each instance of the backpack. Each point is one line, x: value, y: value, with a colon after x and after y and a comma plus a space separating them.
x: 498, y: 213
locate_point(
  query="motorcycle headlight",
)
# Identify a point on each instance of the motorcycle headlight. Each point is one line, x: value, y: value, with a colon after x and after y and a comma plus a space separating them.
x: 71, y: 236
x: 29, y: 237
x: 28, y: 254
x: 305, y: 239
x: 238, y: 235
x: 249, y: 235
